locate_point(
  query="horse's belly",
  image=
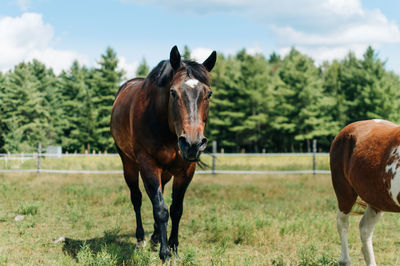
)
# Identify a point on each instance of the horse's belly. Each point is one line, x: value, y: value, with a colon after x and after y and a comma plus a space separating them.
x: 376, y: 191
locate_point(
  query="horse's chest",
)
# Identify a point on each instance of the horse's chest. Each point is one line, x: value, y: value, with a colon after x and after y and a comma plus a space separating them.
x: 165, y: 155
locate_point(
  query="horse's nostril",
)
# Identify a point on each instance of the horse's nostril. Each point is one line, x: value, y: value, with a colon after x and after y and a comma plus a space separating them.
x: 203, y: 141
x: 182, y: 141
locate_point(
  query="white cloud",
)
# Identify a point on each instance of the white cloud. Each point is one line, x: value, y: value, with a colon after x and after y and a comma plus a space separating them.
x: 254, y: 50
x: 367, y: 28
x: 321, y: 54
x: 322, y: 28
x: 269, y: 10
x: 27, y: 37
x: 130, y: 68
x: 200, y: 54
x: 24, y: 4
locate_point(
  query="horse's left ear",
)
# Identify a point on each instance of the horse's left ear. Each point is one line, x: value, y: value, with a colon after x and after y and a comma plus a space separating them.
x: 209, y: 63
x: 175, y: 58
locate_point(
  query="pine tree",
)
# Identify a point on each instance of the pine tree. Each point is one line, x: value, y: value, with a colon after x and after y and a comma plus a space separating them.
x: 25, y: 115
x: 303, y: 103
x: 143, y: 69
x: 50, y: 89
x: 78, y: 129
x: 105, y: 82
x: 369, y: 91
x: 186, y: 53
x: 3, y: 127
x: 223, y: 114
x: 256, y: 100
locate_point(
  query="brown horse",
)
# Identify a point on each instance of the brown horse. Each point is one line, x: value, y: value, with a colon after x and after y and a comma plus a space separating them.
x: 158, y: 127
x: 365, y: 162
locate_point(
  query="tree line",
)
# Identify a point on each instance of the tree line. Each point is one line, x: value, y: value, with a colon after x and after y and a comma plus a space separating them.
x: 274, y: 104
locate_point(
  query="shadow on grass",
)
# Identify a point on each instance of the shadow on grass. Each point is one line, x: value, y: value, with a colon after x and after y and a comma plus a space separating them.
x: 119, y: 246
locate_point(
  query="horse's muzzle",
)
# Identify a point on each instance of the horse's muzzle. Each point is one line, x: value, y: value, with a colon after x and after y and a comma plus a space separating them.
x: 191, y: 151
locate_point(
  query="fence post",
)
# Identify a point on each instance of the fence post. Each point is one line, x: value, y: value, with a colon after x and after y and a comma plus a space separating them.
x: 314, y: 148
x: 6, y: 160
x: 214, y: 157
x: 39, y: 154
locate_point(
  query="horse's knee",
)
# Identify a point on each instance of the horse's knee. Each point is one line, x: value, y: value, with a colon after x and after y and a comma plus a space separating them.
x: 161, y: 214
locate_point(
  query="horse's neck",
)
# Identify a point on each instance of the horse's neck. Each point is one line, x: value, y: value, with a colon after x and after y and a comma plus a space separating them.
x: 161, y: 98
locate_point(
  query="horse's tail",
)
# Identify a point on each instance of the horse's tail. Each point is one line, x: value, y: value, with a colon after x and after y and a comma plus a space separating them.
x: 359, y: 207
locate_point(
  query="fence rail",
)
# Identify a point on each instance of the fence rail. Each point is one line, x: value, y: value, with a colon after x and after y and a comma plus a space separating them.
x: 37, y: 156
x: 288, y: 154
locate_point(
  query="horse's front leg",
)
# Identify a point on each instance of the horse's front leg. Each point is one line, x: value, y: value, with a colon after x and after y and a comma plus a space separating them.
x: 151, y: 175
x: 155, y: 237
x: 180, y: 184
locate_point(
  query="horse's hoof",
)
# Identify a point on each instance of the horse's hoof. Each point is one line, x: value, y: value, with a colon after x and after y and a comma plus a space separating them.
x: 154, y: 241
x: 165, y: 254
x: 140, y: 244
x: 154, y: 245
x: 173, y: 244
x: 174, y: 249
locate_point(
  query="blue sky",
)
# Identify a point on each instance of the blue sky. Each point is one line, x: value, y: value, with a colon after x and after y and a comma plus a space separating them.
x: 57, y: 32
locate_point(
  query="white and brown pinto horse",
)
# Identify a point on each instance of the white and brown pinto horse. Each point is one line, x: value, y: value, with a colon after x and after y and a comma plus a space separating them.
x: 365, y: 162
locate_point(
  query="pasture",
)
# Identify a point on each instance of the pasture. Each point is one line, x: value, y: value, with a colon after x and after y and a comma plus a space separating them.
x: 227, y: 219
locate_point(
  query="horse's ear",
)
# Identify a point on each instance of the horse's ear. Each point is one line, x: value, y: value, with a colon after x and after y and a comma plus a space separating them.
x: 175, y: 58
x: 209, y: 63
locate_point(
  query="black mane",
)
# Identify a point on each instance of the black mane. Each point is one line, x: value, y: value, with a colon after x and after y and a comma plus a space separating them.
x: 163, y: 73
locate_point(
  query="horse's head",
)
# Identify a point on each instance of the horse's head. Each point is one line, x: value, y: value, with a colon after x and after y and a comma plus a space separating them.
x: 189, y: 97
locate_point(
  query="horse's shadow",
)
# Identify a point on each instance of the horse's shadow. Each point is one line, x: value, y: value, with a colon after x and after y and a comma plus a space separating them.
x: 121, y: 245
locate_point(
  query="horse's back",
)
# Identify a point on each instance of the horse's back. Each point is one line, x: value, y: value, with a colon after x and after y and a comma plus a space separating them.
x: 121, y: 115
x: 359, y: 136
x: 360, y: 154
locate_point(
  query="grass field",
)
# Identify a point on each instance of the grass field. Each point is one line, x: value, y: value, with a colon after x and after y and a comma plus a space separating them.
x: 222, y: 162
x: 227, y: 220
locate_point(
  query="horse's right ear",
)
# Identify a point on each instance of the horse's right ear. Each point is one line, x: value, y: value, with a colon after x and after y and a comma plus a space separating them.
x: 175, y: 58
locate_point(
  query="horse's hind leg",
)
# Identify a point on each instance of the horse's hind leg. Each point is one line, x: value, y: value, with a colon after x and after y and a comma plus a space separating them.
x: 346, y: 197
x: 367, y: 225
x: 343, y: 227
x: 131, y: 174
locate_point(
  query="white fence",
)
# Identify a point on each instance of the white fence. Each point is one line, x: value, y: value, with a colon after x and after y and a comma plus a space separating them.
x: 38, y: 156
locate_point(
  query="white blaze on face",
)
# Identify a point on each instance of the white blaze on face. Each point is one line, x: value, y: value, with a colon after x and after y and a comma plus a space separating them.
x: 194, y: 114
x: 192, y: 82
x: 193, y: 99
x: 378, y: 120
x: 394, y: 189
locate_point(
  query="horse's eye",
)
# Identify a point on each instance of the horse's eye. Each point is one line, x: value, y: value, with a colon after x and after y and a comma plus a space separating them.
x: 173, y: 93
x: 209, y: 94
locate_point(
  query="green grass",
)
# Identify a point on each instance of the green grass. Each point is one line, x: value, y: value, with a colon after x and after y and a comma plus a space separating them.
x: 222, y: 163
x: 227, y: 220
